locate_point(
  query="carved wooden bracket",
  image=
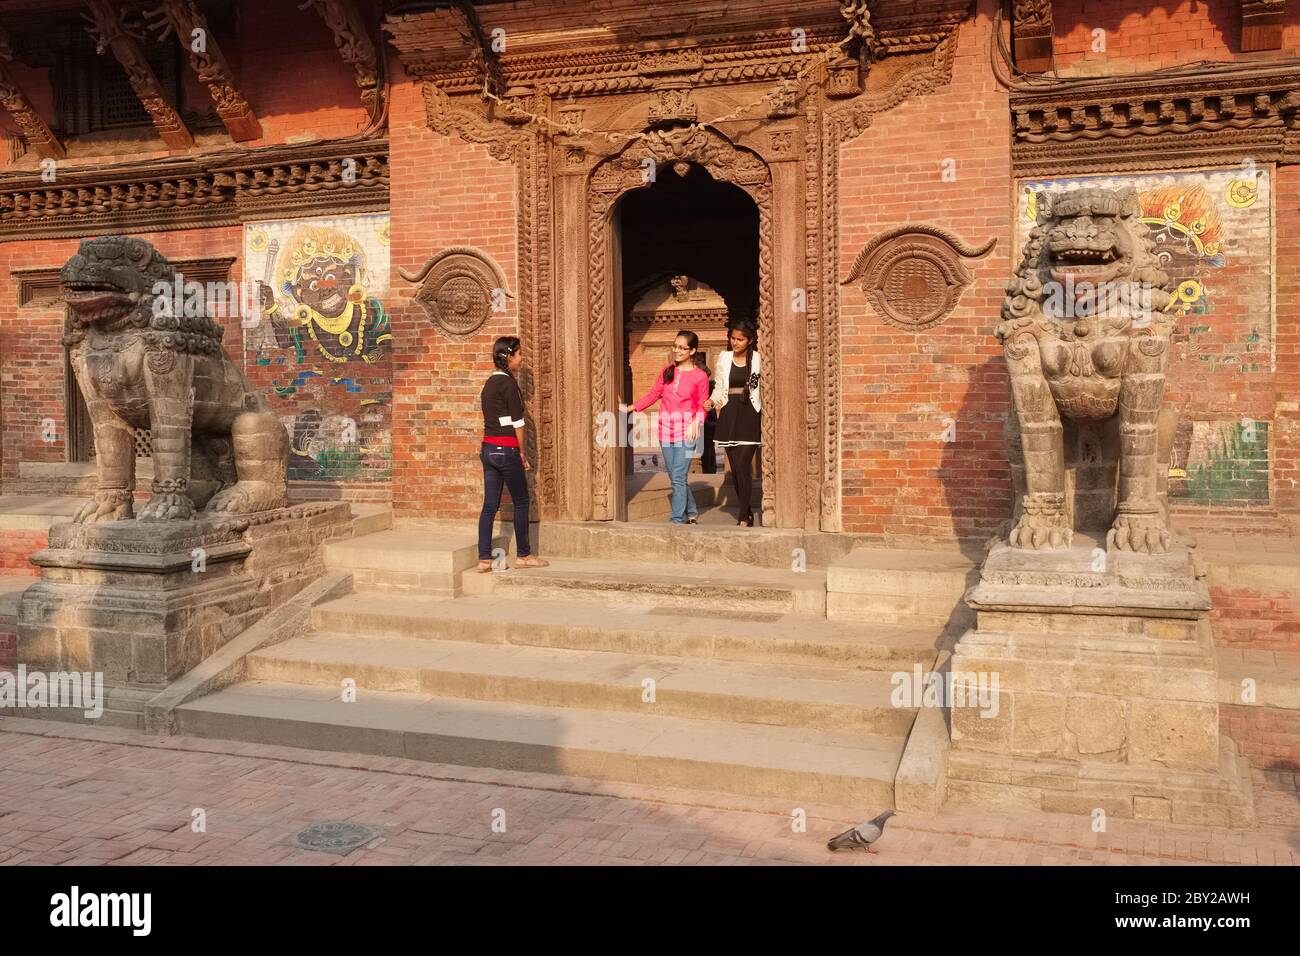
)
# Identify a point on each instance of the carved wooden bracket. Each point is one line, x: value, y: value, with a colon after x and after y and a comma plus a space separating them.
x: 37, y: 135
x: 913, y: 275
x: 1031, y: 30
x: 1261, y: 25
x: 109, y: 33
x: 184, y: 18
x: 355, y: 46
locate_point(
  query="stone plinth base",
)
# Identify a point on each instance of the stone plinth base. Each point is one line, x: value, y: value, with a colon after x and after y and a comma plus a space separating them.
x: 144, y: 602
x: 1106, y: 685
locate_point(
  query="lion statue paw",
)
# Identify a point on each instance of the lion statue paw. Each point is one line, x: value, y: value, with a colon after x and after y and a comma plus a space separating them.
x: 168, y: 506
x: 105, y: 506
x: 1141, y: 533
x: 245, y: 497
x: 1042, y: 525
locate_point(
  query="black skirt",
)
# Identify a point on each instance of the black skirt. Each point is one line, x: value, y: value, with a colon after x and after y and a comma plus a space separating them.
x: 738, y: 422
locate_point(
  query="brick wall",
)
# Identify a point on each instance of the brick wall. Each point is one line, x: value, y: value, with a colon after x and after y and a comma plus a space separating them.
x: 1268, y: 736
x: 16, y: 546
x: 1256, y: 618
x: 899, y: 388
x: 445, y: 192
x: 1140, y: 37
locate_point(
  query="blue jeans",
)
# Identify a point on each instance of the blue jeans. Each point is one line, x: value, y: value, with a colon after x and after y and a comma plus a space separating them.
x: 677, y: 457
x: 502, y: 468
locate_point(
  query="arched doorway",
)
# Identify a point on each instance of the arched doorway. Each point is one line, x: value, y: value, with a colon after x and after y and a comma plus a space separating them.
x: 688, y: 254
x: 671, y: 151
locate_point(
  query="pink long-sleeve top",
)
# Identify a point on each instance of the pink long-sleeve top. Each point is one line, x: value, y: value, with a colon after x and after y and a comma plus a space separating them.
x: 683, y: 403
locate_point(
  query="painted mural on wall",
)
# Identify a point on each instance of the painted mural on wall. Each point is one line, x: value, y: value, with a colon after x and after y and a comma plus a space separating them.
x: 1213, y: 233
x: 322, y: 348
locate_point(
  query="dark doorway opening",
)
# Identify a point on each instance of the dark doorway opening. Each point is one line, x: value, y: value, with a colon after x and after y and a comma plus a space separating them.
x: 686, y: 257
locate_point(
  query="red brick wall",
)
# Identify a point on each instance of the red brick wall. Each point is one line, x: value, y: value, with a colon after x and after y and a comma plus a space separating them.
x: 1268, y: 736
x: 1264, y: 620
x: 1140, y: 37
x: 445, y: 192
x: 899, y: 475
x: 17, y: 546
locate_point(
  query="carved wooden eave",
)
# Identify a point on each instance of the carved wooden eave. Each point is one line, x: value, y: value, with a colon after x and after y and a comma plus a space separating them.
x: 183, y: 18
x: 752, y: 44
x: 1261, y: 25
x: 109, y: 33
x: 1031, y: 31
x: 352, y: 37
x: 1182, y: 118
x: 36, y: 134
x: 218, y: 189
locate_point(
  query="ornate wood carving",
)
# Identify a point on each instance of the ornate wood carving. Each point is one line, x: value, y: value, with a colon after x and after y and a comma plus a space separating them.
x: 354, y: 44
x: 917, y: 48
x: 183, y: 17
x: 460, y: 287
x: 213, y: 190
x: 1217, y: 114
x: 35, y: 133
x: 913, y: 275
x: 1031, y: 30
x: 1261, y: 25
x: 675, y: 149
x: 109, y: 33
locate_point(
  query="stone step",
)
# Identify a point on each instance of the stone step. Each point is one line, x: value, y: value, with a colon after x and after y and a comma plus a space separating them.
x: 899, y: 585
x: 795, y: 764
x: 123, y: 706
x: 720, y: 588
x: 714, y: 546
x: 669, y: 631
x: 780, y: 695
x: 407, y: 560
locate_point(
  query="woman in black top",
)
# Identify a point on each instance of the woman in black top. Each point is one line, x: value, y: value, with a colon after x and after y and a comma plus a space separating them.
x: 502, y: 454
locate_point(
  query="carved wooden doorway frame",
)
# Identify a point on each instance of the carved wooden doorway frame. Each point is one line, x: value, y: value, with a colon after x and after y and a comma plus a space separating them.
x: 666, y: 152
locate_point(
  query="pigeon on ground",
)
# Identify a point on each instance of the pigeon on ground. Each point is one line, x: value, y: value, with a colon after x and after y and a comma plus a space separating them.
x: 861, y: 836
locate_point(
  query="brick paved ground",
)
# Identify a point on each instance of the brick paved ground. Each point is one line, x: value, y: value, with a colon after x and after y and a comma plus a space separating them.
x: 70, y: 794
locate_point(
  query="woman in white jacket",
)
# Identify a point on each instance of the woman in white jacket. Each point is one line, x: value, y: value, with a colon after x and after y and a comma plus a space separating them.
x: 737, y: 397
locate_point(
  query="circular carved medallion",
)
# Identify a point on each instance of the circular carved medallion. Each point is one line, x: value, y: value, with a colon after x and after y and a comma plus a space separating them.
x: 461, y: 288
x: 914, y: 275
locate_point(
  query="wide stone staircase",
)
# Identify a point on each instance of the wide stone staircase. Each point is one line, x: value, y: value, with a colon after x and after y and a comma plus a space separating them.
x: 660, y: 655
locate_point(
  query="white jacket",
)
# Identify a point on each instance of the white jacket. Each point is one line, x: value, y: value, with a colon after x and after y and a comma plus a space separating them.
x: 722, y: 380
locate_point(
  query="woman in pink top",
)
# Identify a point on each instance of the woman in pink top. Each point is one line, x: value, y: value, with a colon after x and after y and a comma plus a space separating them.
x: 682, y: 387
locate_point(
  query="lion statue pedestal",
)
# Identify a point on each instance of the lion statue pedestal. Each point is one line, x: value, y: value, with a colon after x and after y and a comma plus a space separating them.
x: 1092, y: 619
x: 144, y: 598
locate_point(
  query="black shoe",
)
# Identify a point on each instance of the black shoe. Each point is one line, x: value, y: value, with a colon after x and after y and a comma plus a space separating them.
x: 692, y: 519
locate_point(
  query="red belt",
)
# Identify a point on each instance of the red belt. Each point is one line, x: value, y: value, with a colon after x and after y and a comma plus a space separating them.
x: 508, y: 441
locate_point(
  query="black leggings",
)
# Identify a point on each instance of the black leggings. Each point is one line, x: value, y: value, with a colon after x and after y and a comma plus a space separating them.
x: 502, y: 468
x: 740, y: 458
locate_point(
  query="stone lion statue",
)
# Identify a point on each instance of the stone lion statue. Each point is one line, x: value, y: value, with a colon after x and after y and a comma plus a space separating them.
x: 1086, y: 339
x: 145, y: 363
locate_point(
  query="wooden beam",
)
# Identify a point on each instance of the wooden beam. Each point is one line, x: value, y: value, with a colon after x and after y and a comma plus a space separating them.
x: 1261, y: 25
x: 355, y: 46
x: 38, y: 136
x: 1031, y: 30
x: 186, y: 20
x: 109, y: 33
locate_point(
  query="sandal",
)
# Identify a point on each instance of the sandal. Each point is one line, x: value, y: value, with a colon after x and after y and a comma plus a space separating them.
x: 484, y: 567
x: 532, y: 561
